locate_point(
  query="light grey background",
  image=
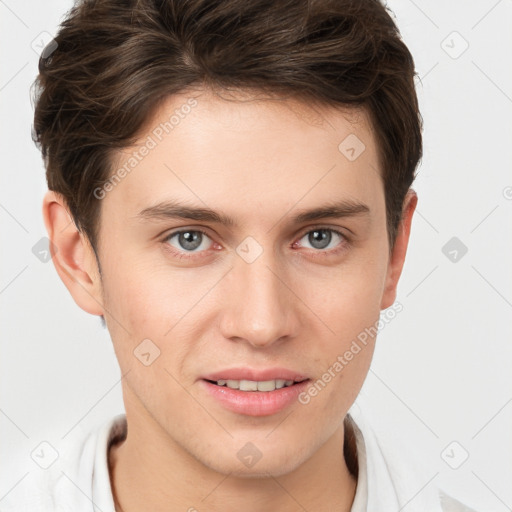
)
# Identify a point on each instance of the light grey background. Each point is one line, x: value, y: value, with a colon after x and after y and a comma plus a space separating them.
x: 442, y: 368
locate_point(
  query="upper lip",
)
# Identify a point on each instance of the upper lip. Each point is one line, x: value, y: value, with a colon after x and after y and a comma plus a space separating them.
x: 255, y: 374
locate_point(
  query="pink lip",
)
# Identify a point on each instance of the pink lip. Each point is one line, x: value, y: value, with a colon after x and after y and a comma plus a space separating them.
x: 254, y: 403
x: 252, y: 374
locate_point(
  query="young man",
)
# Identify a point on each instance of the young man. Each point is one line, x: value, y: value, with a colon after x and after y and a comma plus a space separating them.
x: 230, y: 191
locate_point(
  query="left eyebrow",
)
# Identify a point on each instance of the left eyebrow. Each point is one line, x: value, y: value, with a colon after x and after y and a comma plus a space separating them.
x: 335, y: 210
x: 173, y: 209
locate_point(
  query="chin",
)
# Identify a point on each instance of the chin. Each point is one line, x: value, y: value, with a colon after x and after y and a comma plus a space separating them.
x: 267, y: 466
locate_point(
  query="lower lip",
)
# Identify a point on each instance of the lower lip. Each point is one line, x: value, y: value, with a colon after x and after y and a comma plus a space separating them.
x: 255, y: 403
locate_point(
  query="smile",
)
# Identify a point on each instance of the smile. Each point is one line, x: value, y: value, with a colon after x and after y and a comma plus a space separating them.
x: 254, y: 385
x: 254, y: 397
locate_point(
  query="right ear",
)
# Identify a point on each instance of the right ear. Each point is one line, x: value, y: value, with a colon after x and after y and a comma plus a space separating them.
x: 72, y: 255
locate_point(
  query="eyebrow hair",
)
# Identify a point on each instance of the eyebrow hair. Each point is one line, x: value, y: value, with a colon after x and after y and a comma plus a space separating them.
x: 173, y: 209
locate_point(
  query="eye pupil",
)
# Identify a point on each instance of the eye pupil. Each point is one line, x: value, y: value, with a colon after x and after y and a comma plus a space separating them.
x: 320, y: 236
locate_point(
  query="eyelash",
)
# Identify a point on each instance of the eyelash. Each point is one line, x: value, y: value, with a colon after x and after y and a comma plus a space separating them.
x: 320, y: 253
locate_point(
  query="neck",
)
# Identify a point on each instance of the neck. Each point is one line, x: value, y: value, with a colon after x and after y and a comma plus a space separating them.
x: 162, y: 477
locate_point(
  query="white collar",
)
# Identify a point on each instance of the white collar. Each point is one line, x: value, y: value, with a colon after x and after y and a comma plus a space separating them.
x: 386, y: 480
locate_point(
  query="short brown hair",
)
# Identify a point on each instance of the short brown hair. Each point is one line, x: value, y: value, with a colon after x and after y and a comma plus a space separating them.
x: 114, y: 62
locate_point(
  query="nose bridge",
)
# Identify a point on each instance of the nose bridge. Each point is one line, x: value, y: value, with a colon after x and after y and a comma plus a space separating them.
x: 261, y: 311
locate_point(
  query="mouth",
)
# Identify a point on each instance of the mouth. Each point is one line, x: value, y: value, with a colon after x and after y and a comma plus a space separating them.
x: 255, y: 385
x: 254, y: 397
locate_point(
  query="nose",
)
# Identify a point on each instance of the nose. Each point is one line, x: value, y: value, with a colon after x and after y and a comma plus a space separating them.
x: 261, y: 309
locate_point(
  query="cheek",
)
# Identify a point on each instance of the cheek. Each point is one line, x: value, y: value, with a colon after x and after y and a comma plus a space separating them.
x: 145, y: 297
x: 141, y: 313
x: 152, y: 302
x: 348, y: 309
x: 348, y: 300
x: 135, y: 310
x: 344, y: 354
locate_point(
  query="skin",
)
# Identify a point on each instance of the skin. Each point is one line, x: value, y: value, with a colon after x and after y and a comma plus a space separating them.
x: 296, y: 306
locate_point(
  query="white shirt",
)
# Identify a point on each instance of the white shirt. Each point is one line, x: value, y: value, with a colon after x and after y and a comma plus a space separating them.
x: 78, y: 481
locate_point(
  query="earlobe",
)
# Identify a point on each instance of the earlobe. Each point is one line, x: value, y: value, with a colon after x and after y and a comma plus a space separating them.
x: 72, y: 255
x: 397, y: 258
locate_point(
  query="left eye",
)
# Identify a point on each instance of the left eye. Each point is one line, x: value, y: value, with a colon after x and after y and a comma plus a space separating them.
x: 320, y: 238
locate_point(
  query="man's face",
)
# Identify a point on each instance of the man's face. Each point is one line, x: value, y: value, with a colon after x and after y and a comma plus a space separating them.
x: 264, y: 293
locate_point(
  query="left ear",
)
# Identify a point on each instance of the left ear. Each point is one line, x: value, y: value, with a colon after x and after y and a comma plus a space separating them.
x: 397, y: 257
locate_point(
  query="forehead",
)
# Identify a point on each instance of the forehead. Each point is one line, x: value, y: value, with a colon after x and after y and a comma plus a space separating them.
x: 247, y: 155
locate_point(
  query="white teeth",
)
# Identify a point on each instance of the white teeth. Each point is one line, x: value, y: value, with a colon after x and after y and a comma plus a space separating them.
x: 266, y: 385
x: 280, y: 383
x: 248, y: 385
x: 252, y: 385
x: 233, y: 384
